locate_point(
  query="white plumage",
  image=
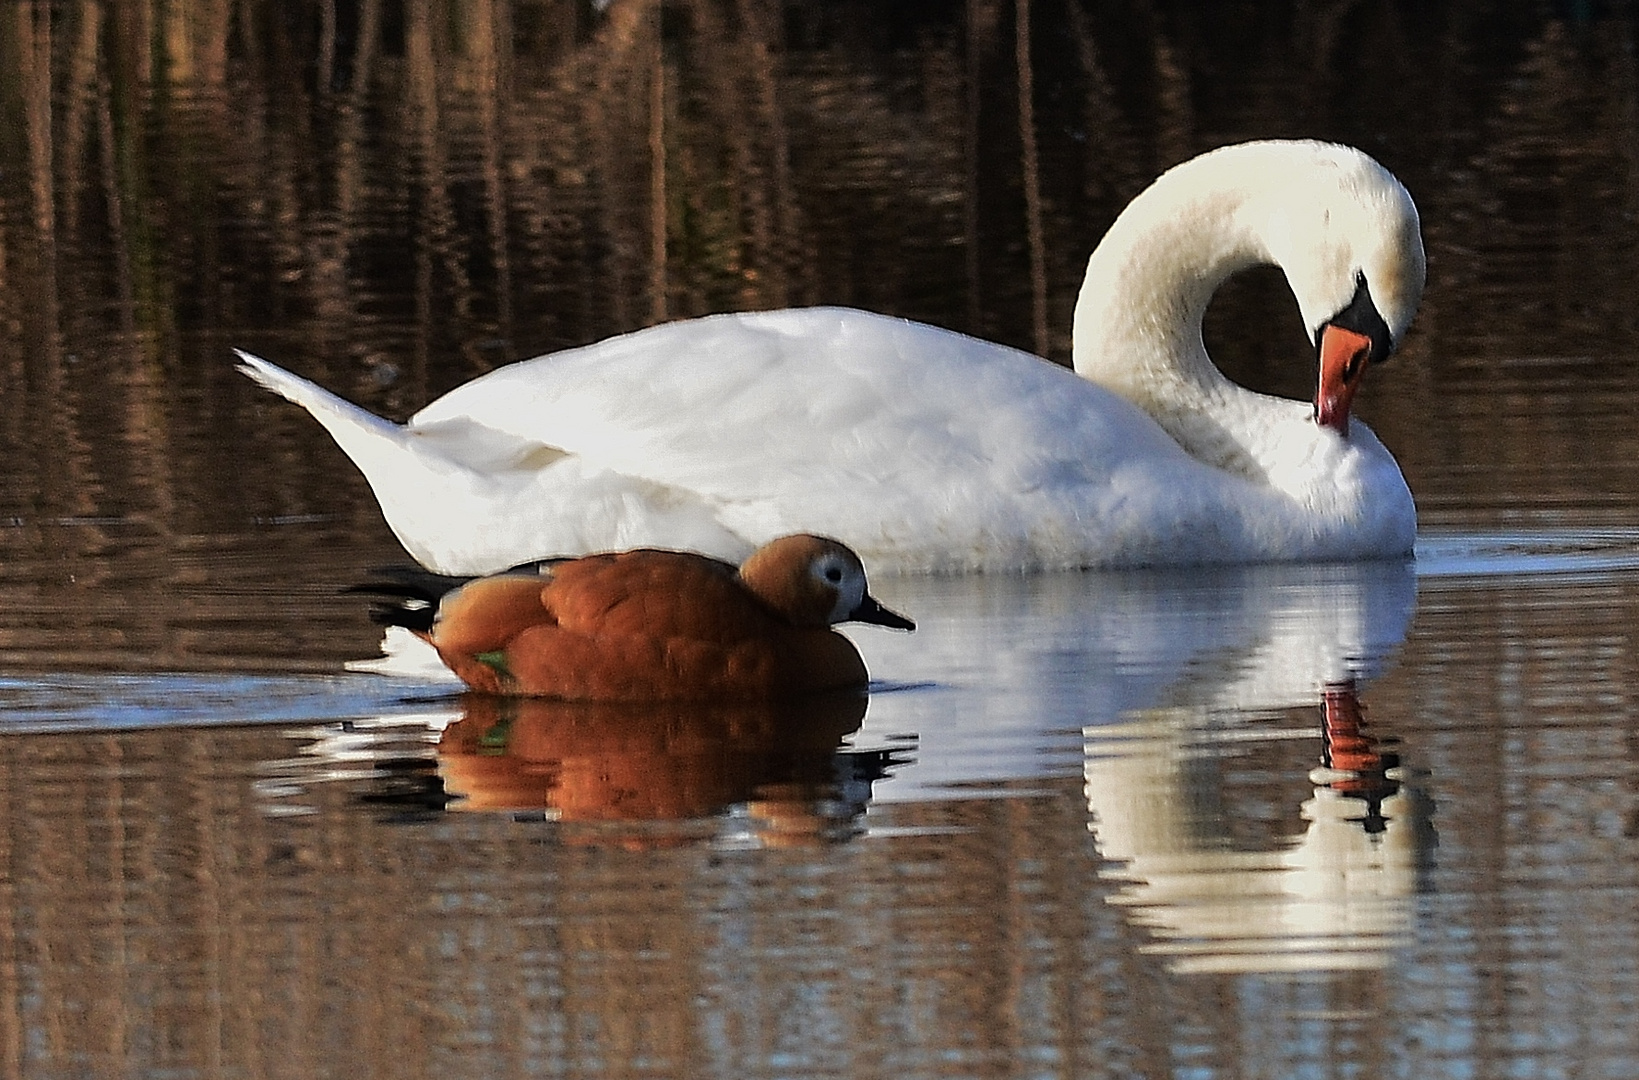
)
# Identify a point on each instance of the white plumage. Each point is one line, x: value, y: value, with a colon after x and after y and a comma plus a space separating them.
x: 926, y: 450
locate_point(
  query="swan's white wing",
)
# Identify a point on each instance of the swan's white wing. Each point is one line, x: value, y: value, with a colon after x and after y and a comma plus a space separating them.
x: 733, y: 405
x: 890, y: 434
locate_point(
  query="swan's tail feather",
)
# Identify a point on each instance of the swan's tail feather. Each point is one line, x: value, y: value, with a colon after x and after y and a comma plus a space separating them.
x: 414, y: 484
x: 464, y: 497
x: 345, y: 421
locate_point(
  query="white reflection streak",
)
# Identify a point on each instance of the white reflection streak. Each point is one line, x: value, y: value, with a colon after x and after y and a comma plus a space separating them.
x: 343, y: 752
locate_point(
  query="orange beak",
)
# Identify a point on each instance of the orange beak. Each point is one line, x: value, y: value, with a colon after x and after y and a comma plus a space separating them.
x: 1343, y: 355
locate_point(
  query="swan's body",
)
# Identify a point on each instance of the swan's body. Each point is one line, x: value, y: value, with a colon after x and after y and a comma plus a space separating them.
x: 926, y: 450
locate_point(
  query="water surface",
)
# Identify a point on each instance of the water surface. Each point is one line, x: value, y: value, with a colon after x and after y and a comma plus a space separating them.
x: 1378, y: 819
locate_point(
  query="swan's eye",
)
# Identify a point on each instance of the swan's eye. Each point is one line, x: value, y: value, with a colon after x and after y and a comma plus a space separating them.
x: 1361, y: 316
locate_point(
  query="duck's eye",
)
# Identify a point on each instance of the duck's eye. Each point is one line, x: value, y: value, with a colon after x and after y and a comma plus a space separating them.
x: 833, y: 574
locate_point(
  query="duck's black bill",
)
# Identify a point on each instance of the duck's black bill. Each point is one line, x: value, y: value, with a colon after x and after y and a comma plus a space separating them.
x: 871, y: 611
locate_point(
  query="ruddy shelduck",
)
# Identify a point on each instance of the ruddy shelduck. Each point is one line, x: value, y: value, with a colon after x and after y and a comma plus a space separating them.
x: 649, y: 624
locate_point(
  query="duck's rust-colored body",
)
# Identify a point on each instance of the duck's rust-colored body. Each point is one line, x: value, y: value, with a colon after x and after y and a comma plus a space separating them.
x: 654, y: 625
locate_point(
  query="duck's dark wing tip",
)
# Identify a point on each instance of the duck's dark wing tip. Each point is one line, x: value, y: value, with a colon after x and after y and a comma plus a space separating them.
x: 406, y: 596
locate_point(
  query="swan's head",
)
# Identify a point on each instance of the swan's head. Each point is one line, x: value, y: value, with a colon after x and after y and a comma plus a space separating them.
x: 1346, y: 233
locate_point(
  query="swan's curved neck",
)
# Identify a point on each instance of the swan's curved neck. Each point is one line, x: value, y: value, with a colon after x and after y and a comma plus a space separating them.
x: 1138, y: 318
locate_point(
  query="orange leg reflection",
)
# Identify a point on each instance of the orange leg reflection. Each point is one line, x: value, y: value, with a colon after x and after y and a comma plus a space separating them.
x: 1359, y: 761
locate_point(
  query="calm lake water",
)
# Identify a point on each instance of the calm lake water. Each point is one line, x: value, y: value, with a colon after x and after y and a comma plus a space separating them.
x: 1336, y: 821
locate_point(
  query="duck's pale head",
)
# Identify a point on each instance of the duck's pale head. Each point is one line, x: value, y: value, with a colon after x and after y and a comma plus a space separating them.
x: 814, y: 581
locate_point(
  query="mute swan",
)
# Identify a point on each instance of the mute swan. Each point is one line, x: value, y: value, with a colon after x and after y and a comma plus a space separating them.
x: 926, y: 450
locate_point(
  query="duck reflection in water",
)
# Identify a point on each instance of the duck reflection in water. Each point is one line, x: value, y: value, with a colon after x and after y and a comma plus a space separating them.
x: 776, y: 774
x: 1335, y: 896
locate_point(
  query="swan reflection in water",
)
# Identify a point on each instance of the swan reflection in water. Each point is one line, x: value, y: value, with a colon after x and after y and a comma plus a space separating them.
x: 1335, y: 895
x: 773, y: 774
x: 1156, y: 688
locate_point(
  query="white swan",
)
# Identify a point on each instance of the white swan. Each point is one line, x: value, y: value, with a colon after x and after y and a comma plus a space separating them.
x: 926, y: 450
